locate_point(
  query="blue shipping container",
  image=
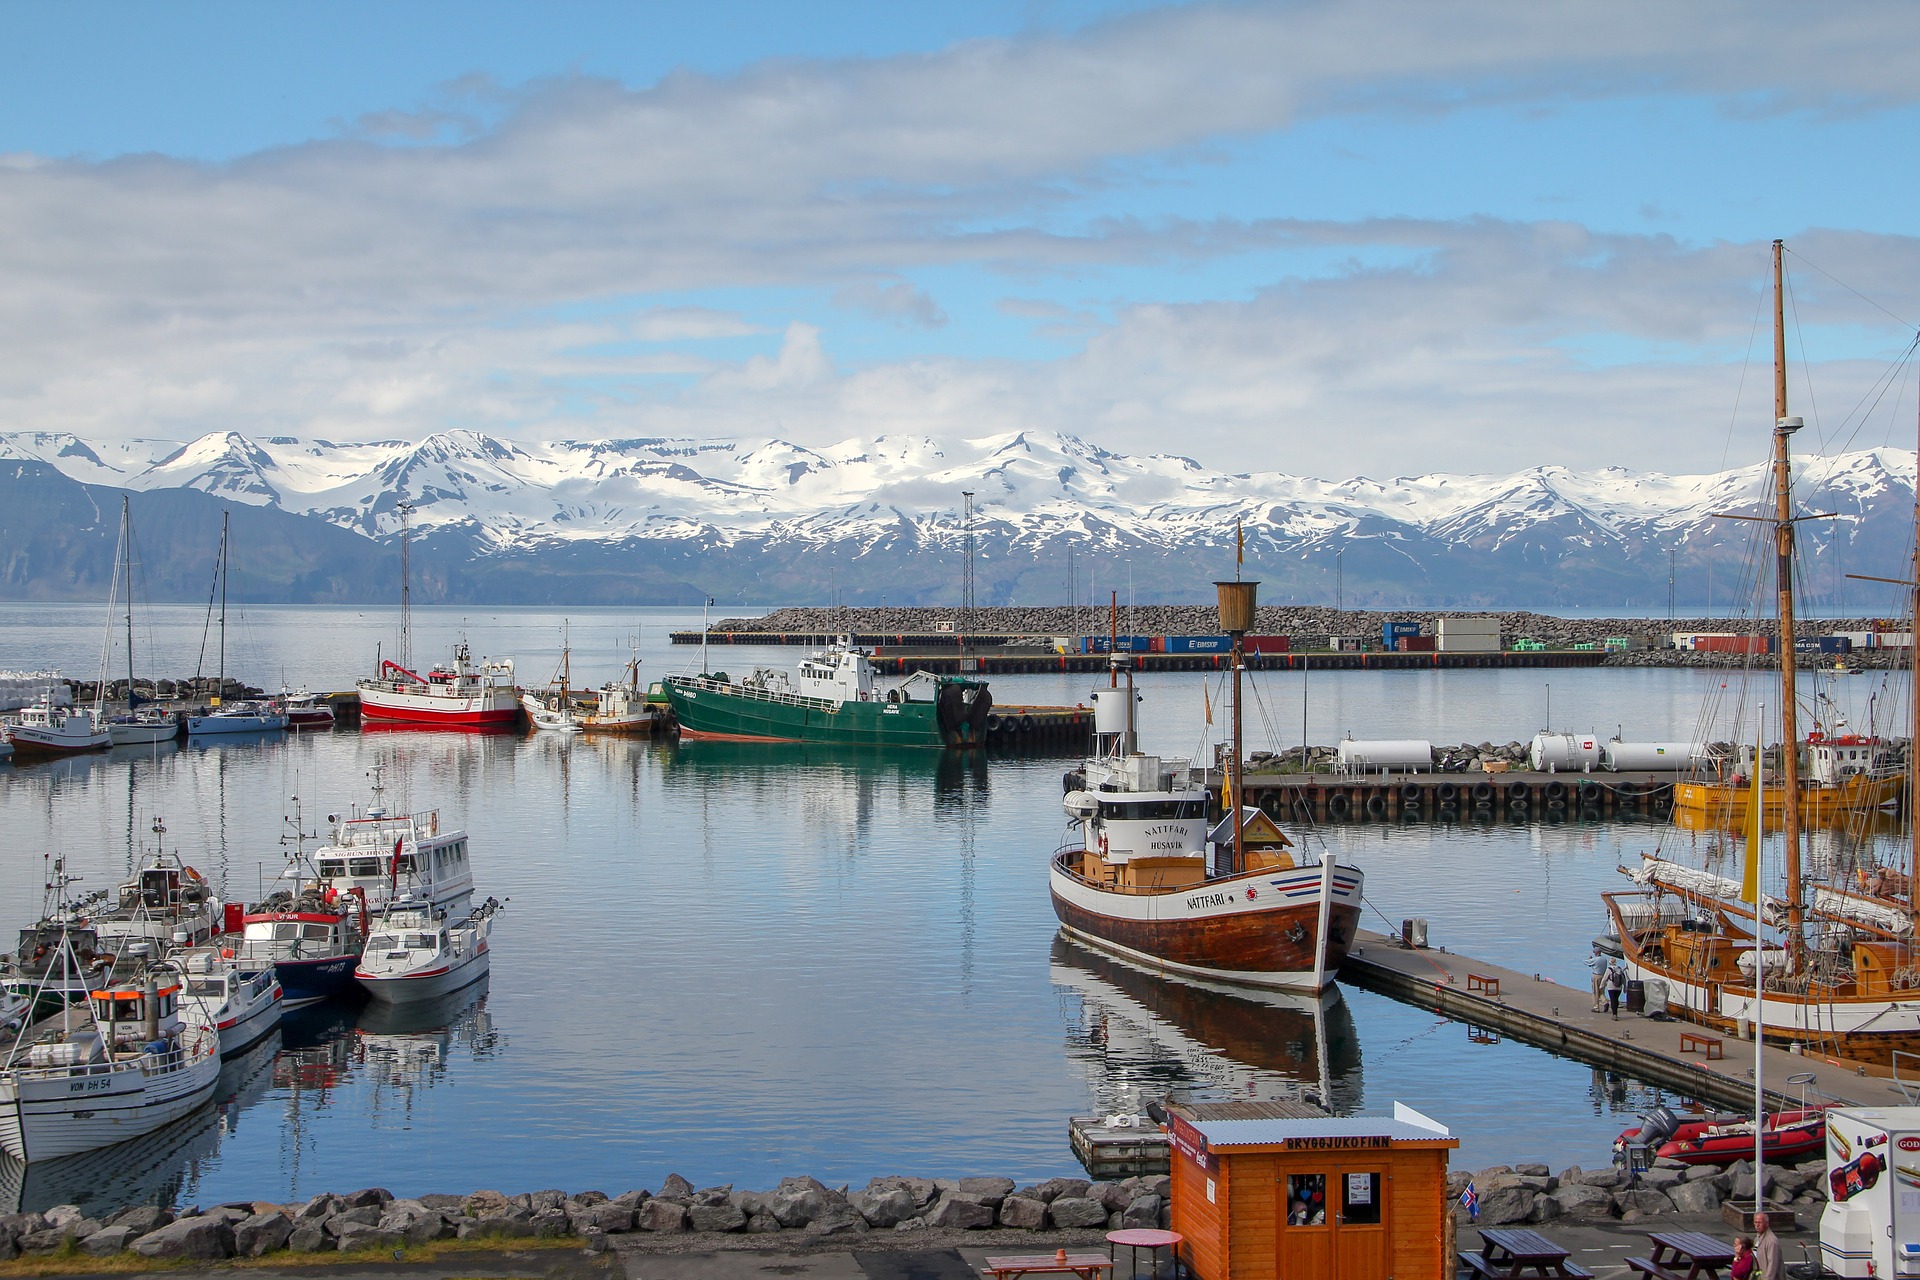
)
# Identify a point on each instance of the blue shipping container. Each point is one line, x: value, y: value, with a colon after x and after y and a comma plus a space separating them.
x: 1836, y: 644
x: 1199, y: 644
x: 1125, y: 644
x: 1390, y: 632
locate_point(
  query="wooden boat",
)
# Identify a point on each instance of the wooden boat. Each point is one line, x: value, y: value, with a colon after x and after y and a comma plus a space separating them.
x: 623, y: 706
x: 1786, y: 1137
x: 1145, y: 878
x: 1728, y: 959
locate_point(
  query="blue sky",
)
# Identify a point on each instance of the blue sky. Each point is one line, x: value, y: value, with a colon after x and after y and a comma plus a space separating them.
x: 1329, y: 238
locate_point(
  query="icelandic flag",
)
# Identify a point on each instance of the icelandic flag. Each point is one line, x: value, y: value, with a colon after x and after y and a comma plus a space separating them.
x: 1471, y: 1199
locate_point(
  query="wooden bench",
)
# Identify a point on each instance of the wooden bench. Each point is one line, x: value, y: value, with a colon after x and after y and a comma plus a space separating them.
x: 1477, y: 1264
x: 1480, y: 982
x: 1711, y: 1046
x: 1652, y: 1270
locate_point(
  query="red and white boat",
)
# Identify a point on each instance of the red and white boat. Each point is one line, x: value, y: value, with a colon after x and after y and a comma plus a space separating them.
x: 305, y: 710
x: 45, y: 729
x: 463, y: 694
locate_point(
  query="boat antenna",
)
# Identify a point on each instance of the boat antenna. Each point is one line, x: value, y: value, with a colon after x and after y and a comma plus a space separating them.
x: 1237, y: 603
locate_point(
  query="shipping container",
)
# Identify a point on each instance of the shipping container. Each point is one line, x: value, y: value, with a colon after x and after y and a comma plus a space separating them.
x: 1893, y: 640
x: 1346, y: 644
x: 1198, y: 644
x: 1859, y: 639
x: 1390, y: 632
x: 1836, y: 644
x: 1268, y: 644
x: 1125, y: 644
x: 1468, y: 635
x: 1732, y: 644
x: 1414, y: 644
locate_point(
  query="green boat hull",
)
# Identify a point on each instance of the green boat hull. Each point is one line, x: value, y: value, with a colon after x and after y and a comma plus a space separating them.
x: 712, y: 710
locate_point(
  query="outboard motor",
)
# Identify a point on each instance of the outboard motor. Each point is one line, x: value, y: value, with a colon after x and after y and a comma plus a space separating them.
x: 1658, y: 1126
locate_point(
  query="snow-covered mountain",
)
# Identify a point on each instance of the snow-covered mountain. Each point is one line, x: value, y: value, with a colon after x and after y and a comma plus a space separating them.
x: 750, y: 518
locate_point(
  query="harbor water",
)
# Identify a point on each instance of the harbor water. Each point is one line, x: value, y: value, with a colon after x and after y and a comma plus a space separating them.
x: 738, y: 961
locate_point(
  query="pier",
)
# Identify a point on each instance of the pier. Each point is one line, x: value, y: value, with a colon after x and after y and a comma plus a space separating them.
x: 1495, y: 1001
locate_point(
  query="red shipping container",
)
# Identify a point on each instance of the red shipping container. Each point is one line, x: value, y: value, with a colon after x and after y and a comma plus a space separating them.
x: 1268, y: 644
x: 1731, y: 644
x: 1414, y: 644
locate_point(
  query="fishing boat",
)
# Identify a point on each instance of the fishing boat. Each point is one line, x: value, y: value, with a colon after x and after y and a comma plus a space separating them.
x: 142, y: 725
x: 113, y: 1067
x: 305, y: 710
x: 623, y: 706
x: 1846, y: 773
x: 1144, y: 877
x: 370, y: 855
x: 241, y: 1004
x: 552, y: 711
x: 247, y: 715
x: 832, y: 697
x: 1829, y: 966
x: 57, y: 953
x: 47, y: 729
x: 1787, y: 1137
x: 309, y: 934
x: 422, y: 952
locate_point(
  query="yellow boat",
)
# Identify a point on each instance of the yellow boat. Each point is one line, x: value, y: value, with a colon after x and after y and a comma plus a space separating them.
x: 1845, y: 775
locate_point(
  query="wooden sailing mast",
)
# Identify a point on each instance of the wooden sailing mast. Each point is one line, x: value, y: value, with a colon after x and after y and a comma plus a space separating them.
x: 1783, y: 430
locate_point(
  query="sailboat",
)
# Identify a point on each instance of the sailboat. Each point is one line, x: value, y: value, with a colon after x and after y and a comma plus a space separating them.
x: 1842, y: 974
x: 245, y: 716
x: 553, y: 711
x: 1143, y: 877
x: 142, y: 725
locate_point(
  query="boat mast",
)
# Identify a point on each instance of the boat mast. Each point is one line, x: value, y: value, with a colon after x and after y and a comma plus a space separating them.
x: 126, y: 541
x: 1236, y: 619
x: 221, y: 692
x: 1783, y: 430
x: 1913, y: 728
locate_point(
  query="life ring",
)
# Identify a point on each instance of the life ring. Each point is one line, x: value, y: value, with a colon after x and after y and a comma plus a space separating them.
x: 226, y: 953
x: 1103, y: 844
x: 1338, y: 806
x: 193, y: 875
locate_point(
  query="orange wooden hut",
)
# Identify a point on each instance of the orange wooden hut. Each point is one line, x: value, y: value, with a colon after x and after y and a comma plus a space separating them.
x: 1284, y: 1191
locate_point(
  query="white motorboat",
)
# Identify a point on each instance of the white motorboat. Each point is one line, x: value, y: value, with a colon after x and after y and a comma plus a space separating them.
x: 119, y: 1065
x: 421, y: 952
x: 13, y: 1012
x: 241, y: 1004
x: 245, y: 716
x: 143, y: 727
x: 47, y: 729
x: 623, y: 706
x: 372, y: 855
x: 306, y: 710
x: 553, y: 711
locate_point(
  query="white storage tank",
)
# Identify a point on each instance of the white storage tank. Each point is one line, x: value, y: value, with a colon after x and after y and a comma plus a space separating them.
x: 1653, y: 757
x: 1405, y: 755
x: 1555, y: 752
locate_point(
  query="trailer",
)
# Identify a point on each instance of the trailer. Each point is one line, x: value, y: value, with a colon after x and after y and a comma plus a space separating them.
x: 1871, y: 1225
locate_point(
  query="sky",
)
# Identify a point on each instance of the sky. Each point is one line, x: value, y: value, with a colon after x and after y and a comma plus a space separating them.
x: 1324, y: 238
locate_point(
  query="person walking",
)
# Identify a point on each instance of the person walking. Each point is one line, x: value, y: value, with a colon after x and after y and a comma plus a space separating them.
x: 1767, y: 1262
x: 1616, y: 986
x: 1742, y: 1268
x: 1597, y: 962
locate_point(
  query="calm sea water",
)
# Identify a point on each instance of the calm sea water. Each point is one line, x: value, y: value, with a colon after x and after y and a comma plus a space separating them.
x: 738, y: 962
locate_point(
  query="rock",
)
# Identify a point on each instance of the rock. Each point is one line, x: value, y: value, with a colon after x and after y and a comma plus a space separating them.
x: 513, y: 1222
x: 676, y: 1188
x: 429, y: 1227
x: 990, y: 1190
x: 141, y: 1217
x: 611, y: 1217
x: 62, y: 1216
x: 1643, y: 1202
x: 550, y: 1224
x: 1701, y: 1172
x: 481, y: 1204
x: 1075, y: 1211
x: 956, y: 1210
x: 632, y: 1199
x: 1700, y: 1196
x: 1578, y: 1200
x: 714, y: 1195
x: 888, y: 1206
x: 1742, y: 1185
x: 1143, y: 1211
x: 1661, y: 1179
x: 1026, y: 1213
x: 798, y: 1201
x: 360, y: 1235
x: 661, y: 1215
x: 1118, y: 1195
x: 725, y: 1216
x: 1505, y: 1204
x: 107, y: 1241
x: 1546, y: 1208
x: 1533, y: 1170
x: 762, y: 1224
x: 444, y: 1204
x: 45, y: 1240
x: 263, y: 1233
x: 199, y: 1238
x: 1053, y: 1188
x: 9, y: 1246
x: 310, y: 1237
x: 1608, y: 1178
x: 366, y: 1215
x: 841, y: 1220
x: 374, y: 1196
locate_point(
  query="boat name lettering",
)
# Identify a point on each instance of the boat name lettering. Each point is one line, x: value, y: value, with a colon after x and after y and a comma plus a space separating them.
x: 89, y: 1086
x: 1206, y: 900
x: 1167, y: 844
x: 1166, y: 828
x: 1337, y: 1144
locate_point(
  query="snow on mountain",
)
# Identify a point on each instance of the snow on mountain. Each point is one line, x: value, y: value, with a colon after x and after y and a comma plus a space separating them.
x: 1031, y: 489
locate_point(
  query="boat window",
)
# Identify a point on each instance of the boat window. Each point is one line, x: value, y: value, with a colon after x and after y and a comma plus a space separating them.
x: 206, y: 987
x: 1148, y: 810
x: 285, y: 932
x: 380, y: 942
x: 333, y: 866
x: 366, y: 866
x: 419, y: 942
x: 166, y: 1005
x: 316, y: 932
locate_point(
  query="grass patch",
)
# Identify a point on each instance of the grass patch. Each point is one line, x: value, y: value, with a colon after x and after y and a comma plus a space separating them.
x: 70, y: 1261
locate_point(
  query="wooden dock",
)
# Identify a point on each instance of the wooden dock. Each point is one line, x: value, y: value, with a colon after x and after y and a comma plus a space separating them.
x: 1519, y: 796
x: 1495, y: 1001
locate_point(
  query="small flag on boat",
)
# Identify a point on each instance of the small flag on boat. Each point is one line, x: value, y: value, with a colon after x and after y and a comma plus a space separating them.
x: 1471, y: 1199
x: 1206, y: 696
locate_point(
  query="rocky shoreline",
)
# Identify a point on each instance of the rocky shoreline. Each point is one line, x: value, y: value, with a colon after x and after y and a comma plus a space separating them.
x: 1531, y: 1193
x: 374, y: 1219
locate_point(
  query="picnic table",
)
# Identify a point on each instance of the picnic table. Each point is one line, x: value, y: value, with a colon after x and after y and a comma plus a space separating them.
x: 1683, y: 1255
x: 1087, y: 1266
x: 1134, y: 1239
x: 1513, y: 1253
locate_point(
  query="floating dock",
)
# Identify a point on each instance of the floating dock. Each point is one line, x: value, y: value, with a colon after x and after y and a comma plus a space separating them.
x: 1515, y: 796
x: 1494, y: 1001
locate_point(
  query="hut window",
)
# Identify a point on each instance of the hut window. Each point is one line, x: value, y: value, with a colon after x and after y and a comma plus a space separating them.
x: 1306, y: 1199
x: 1362, y: 1199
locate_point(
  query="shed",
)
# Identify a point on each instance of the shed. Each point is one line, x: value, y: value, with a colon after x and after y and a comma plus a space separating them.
x: 1284, y: 1191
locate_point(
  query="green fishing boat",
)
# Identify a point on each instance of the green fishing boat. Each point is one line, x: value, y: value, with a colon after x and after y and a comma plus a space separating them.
x: 833, y: 698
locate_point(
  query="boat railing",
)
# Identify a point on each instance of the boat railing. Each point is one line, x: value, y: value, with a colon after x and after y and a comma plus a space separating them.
x: 754, y: 693
x: 1906, y: 1075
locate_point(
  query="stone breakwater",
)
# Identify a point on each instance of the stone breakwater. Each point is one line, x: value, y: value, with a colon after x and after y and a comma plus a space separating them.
x: 375, y: 1219
x: 1531, y: 1193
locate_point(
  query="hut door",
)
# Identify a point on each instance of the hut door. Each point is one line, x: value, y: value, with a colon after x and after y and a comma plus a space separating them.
x: 1357, y: 1195
x: 1305, y: 1227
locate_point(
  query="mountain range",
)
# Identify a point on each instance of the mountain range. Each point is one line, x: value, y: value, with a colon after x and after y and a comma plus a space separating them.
x: 764, y: 521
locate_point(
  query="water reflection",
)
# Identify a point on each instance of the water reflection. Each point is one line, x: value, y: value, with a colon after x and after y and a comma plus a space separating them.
x: 153, y: 1169
x: 1140, y: 1036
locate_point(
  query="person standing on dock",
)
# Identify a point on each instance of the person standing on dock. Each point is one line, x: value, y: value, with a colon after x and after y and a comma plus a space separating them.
x: 1767, y: 1262
x: 1597, y: 962
x: 1616, y: 984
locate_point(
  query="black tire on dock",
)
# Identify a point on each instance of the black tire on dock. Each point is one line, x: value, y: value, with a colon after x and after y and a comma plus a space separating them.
x: 1556, y: 790
x: 1446, y: 793
x: 1482, y: 793
x: 1410, y: 794
x: 1026, y: 724
x: 1338, y: 806
x: 993, y: 724
x: 1517, y: 791
x: 1377, y: 805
